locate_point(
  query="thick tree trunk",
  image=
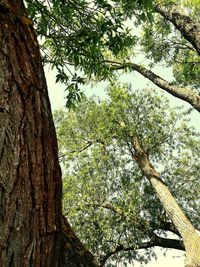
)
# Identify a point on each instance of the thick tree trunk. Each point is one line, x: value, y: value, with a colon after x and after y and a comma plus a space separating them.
x: 189, y: 235
x: 30, y: 178
x: 187, y: 27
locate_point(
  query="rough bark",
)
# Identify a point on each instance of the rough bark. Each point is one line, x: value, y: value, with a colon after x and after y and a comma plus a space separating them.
x: 182, y: 93
x: 187, y: 27
x: 31, y: 231
x: 189, y: 235
x: 30, y: 177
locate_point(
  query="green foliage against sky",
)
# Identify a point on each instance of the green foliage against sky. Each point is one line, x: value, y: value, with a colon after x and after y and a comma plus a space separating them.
x: 87, y: 40
x: 105, y: 195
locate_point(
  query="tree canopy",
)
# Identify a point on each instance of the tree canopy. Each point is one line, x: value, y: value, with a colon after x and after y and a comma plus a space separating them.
x: 101, y: 38
x: 106, y: 198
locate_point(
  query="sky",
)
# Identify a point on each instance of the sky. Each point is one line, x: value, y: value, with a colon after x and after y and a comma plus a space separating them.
x: 57, y: 98
x: 57, y: 93
x: 172, y: 258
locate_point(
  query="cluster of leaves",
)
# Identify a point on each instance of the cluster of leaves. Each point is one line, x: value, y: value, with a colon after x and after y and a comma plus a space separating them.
x: 140, y: 9
x: 78, y: 33
x: 105, y: 196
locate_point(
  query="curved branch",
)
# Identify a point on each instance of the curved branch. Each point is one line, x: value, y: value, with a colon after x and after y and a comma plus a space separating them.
x: 187, y: 27
x: 167, y: 243
x: 153, y: 242
x: 183, y: 93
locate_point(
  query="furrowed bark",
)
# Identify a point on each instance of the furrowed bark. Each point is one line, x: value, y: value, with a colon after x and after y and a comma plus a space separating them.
x: 187, y: 27
x: 30, y: 177
x: 188, y: 233
x: 31, y: 232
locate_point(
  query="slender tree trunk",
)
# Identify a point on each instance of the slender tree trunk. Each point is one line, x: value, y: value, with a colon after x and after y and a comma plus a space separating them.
x: 30, y: 179
x: 189, y: 235
x: 187, y: 27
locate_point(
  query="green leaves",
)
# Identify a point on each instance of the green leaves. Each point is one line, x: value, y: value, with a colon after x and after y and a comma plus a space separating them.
x: 105, y: 196
x: 89, y: 38
x: 76, y: 36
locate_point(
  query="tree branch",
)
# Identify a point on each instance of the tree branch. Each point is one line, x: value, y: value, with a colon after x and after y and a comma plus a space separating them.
x: 187, y: 27
x: 153, y: 242
x: 183, y: 93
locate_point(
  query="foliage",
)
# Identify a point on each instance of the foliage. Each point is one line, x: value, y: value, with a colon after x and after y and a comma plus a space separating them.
x: 78, y: 33
x: 105, y: 196
x: 89, y: 37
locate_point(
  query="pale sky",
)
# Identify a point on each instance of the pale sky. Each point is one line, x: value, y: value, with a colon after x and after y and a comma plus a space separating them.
x: 56, y: 92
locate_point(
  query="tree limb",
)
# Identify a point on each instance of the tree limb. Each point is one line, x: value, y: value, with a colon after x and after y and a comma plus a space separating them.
x: 73, y: 251
x: 153, y: 242
x: 187, y: 27
x: 183, y: 93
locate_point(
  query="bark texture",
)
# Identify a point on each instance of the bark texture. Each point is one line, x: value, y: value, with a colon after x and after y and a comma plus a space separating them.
x: 30, y: 177
x: 31, y: 230
x: 189, y: 235
x: 187, y: 27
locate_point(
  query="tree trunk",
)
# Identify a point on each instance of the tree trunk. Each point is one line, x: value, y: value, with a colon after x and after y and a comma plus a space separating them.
x: 189, y: 235
x: 187, y: 27
x: 30, y: 177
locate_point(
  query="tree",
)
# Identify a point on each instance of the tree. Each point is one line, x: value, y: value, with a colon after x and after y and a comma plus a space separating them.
x: 31, y: 230
x: 117, y: 209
